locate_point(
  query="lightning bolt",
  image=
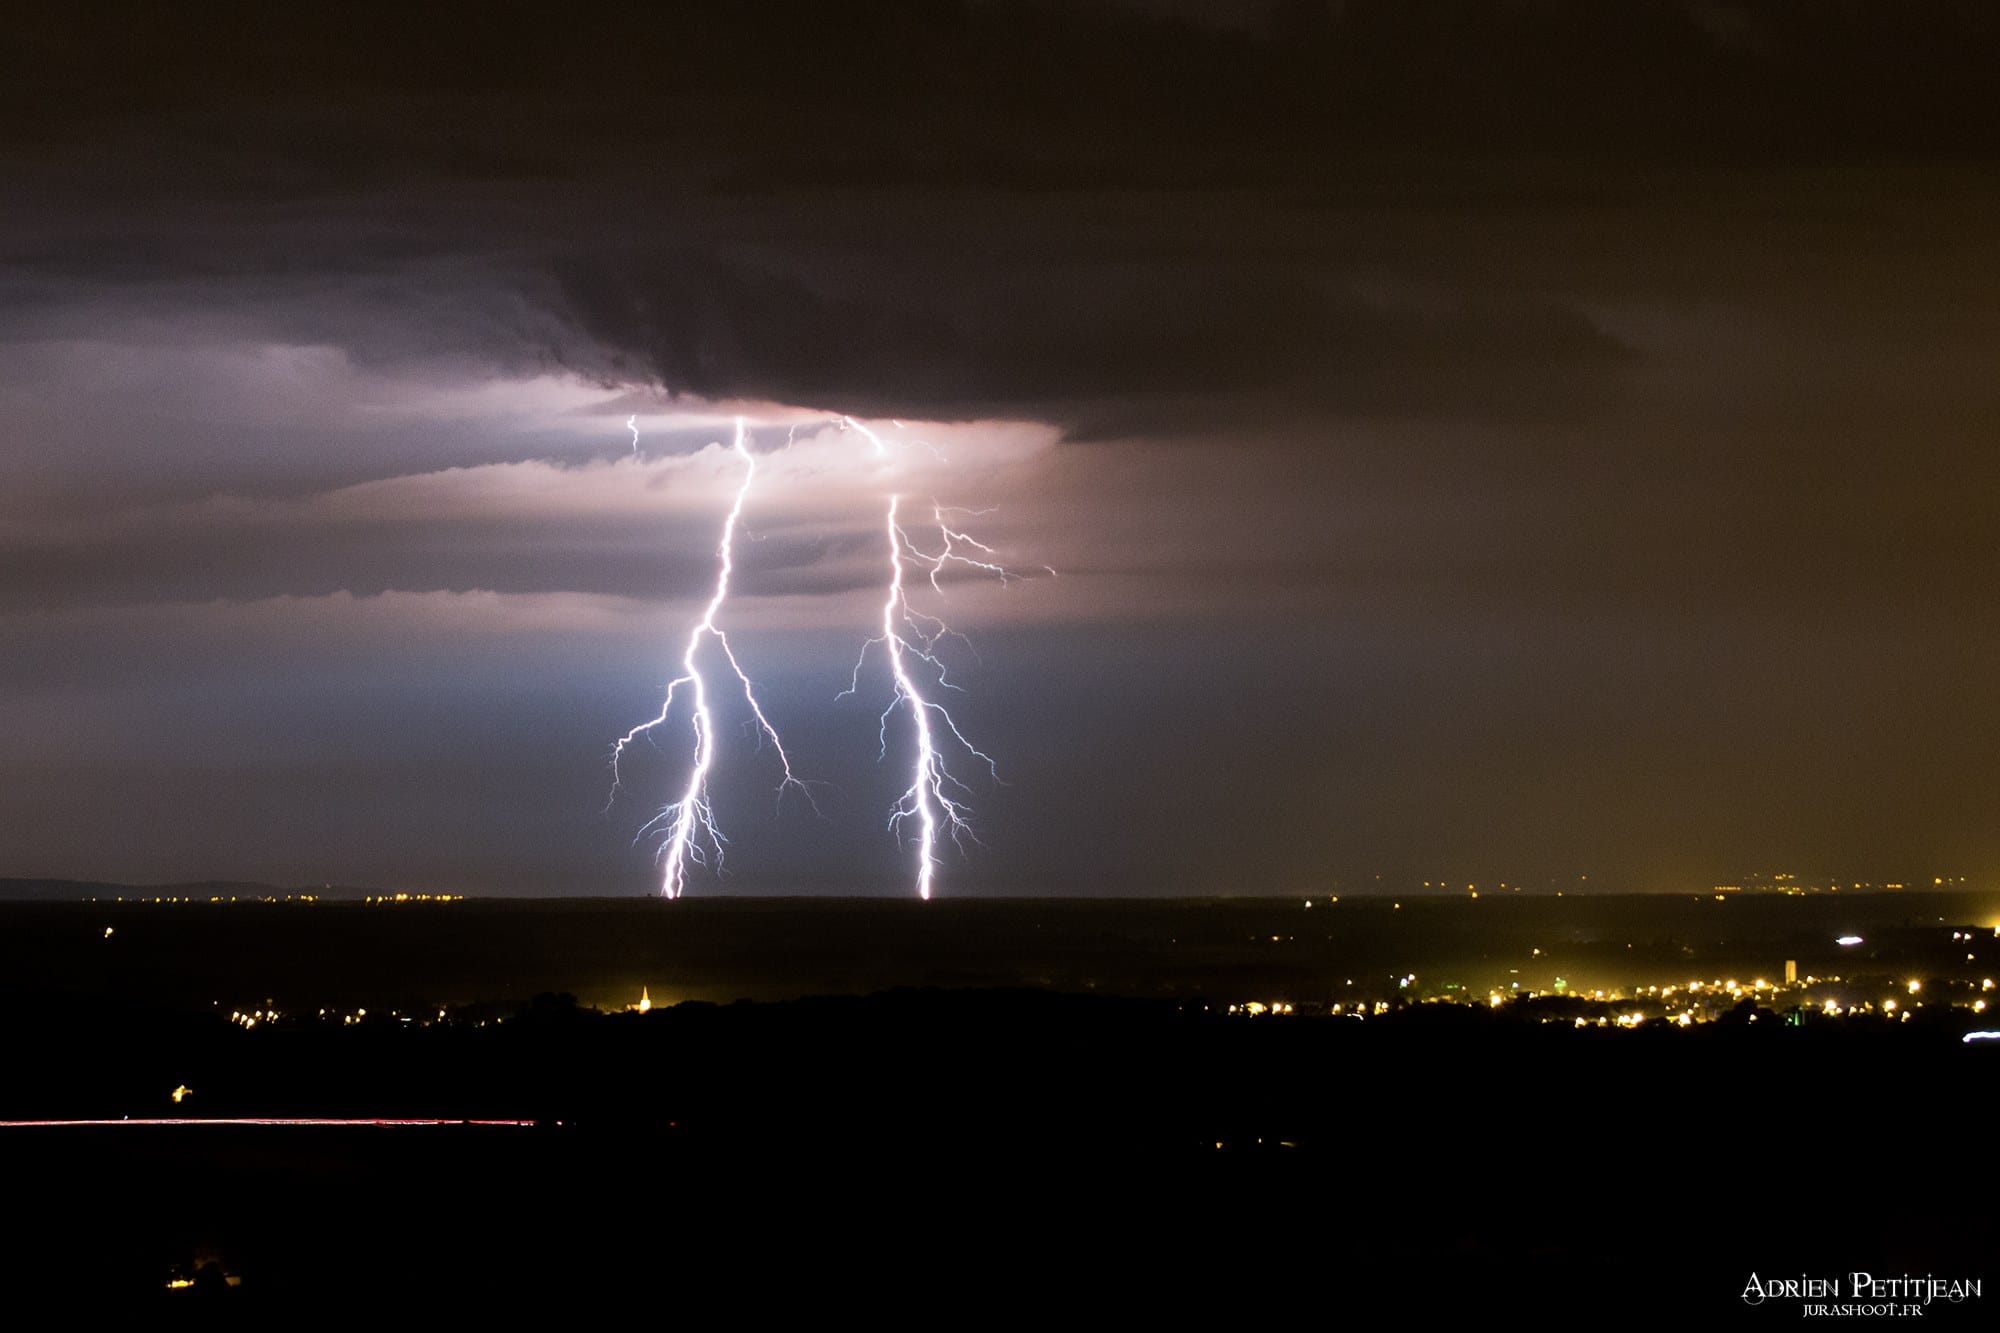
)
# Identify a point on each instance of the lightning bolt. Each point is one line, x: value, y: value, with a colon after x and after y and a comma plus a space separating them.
x: 881, y: 449
x: 692, y: 835
x: 935, y: 800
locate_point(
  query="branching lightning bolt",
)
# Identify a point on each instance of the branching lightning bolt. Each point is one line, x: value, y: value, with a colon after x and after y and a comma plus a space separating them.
x: 935, y: 800
x: 692, y: 835
x: 935, y: 803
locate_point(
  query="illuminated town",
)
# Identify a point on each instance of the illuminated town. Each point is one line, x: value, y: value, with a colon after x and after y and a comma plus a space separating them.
x: 1904, y: 974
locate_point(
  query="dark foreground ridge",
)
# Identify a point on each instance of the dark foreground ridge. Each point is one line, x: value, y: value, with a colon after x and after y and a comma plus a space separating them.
x: 939, y: 1152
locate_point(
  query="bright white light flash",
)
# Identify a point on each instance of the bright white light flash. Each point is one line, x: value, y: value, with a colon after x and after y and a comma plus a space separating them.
x: 881, y: 449
x: 935, y: 798
x: 692, y: 835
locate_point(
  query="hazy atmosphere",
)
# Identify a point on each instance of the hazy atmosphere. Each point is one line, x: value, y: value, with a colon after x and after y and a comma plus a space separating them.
x: 1472, y: 441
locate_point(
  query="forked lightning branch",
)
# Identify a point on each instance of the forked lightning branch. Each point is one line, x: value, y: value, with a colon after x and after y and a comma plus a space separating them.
x: 935, y: 804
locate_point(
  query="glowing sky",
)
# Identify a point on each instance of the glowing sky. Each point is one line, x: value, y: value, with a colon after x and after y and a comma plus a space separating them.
x: 1478, y: 440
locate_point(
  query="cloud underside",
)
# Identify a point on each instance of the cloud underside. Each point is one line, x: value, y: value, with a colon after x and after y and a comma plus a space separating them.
x: 1466, y: 288
x: 1101, y: 216
x: 1571, y: 417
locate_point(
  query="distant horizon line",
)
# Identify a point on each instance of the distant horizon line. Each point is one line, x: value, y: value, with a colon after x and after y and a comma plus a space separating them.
x: 45, y: 890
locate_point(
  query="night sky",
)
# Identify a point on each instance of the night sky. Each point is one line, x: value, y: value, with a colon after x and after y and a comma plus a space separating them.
x: 1477, y: 441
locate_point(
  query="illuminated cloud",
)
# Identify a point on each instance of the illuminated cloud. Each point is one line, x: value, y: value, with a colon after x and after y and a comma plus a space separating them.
x: 1489, y: 427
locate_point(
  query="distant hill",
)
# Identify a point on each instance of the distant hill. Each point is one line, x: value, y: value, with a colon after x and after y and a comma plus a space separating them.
x: 80, y: 890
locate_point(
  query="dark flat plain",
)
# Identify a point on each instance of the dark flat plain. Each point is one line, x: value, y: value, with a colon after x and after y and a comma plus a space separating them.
x: 1063, y: 1132
x: 416, y: 956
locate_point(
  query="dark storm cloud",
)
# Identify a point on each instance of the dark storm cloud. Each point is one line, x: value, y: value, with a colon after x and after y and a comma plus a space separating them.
x: 1537, y: 432
x: 790, y: 201
x: 1070, y: 347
